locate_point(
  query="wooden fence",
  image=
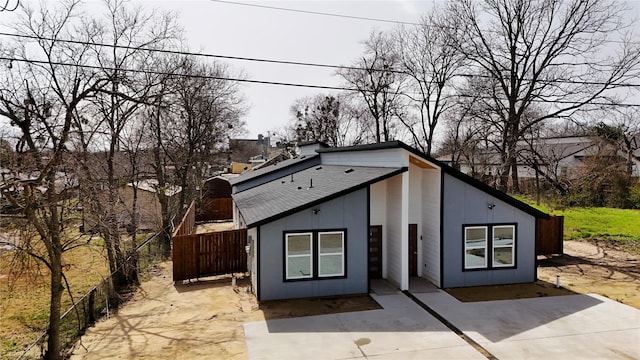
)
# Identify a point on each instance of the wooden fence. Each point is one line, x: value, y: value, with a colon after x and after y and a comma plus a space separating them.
x: 550, y: 236
x: 215, y: 209
x: 217, y: 253
x: 188, y: 223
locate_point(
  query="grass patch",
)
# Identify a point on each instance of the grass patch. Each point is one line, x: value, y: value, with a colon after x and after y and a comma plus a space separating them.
x: 618, y: 225
x: 24, y: 293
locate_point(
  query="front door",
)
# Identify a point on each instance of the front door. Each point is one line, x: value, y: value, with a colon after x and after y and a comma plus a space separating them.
x: 413, y: 250
x: 375, y: 252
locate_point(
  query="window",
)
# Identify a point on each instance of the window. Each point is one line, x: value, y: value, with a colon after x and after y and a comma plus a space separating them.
x: 484, y: 242
x: 314, y: 255
x: 299, y: 256
x: 475, y: 247
x: 331, y: 254
x: 503, y: 242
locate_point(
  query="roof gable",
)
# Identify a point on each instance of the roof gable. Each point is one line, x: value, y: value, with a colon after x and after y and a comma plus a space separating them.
x: 447, y: 169
x: 306, y: 188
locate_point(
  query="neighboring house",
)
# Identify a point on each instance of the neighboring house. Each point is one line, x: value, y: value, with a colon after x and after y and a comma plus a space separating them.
x: 149, y: 212
x: 244, y: 149
x: 329, y: 221
x: 556, y: 156
x: 239, y: 168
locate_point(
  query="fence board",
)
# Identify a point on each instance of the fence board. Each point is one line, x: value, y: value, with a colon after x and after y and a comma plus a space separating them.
x: 188, y: 223
x: 550, y: 236
x: 215, y: 209
x: 217, y: 253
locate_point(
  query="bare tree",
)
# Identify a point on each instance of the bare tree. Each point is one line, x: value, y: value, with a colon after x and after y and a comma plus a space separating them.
x: 127, y: 31
x: 327, y: 118
x: 204, y: 111
x: 553, y: 52
x: 428, y: 56
x: 379, y: 84
x: 42, y: 95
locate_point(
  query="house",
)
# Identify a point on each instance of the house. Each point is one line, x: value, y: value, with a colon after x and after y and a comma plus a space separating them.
x: 242, y: 150
x: 558, y: 157
x: 149, y: 211
x: 332, y: 219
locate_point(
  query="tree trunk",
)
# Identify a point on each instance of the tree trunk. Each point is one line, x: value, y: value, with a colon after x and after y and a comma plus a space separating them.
x: 515, y: 181
x: 54, y: 346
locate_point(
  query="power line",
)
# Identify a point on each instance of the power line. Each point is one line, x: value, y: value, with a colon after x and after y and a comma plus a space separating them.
x: 153, y: 72
x: 354, y: 17
x: 201, y: 54
x: 5, y: 7
x: 316, y: 13
x: 280, y: 62
x: 263, y: 82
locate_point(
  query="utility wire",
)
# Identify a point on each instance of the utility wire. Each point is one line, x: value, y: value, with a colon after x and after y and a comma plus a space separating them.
x: 188, y: 53
x: 316, y: 12
x: 153, y: 72
x: 5, y: 7
x: 281, y: 62
x: 350, y: 16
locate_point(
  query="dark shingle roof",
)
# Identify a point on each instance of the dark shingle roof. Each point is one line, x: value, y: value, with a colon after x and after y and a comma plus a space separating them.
x: 252, y: 174
x: 282, y: 197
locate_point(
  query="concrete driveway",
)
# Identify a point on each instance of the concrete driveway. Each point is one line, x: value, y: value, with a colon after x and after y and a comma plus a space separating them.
x: 402, y: 330
x: 563, y: 327
x: 559, y: 327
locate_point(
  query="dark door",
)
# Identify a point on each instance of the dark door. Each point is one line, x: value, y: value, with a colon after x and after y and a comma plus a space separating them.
x: 375, y: 252
x: 413, y: 250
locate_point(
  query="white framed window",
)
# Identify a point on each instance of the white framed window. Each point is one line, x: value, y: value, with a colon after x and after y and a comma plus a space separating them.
x: 299, y: 256
x: 331, y: 254
x: 504, y: 240
x: 475, y: 247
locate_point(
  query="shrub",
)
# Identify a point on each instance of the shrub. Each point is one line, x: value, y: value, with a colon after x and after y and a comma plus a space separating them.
x: 634, y: 196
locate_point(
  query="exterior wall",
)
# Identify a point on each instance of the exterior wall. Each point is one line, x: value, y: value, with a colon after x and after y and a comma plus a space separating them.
x: 344, y: 212
x: 378, y: 216
x: 394, y: 231
x: 276, y: 174
x: 415, y: 206
x: 383, y: 158
x: 252, y: 256
x: 431, y: 194
x: 464, y: 204
x: 148, y: 208
x: 239, y: 168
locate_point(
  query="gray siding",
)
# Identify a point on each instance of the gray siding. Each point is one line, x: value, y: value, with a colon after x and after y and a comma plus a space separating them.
x: 275, y: 174
x: 347, y: 212
x: 384, y: 158
x: 465, y: 204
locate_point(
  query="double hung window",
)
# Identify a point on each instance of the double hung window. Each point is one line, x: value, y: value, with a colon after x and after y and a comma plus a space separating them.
x: 489, y: 246
x: 313, y: 255
x: 299, y: 255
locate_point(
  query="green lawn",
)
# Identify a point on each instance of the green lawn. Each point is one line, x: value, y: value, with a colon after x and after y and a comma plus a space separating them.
x: 597, y: 223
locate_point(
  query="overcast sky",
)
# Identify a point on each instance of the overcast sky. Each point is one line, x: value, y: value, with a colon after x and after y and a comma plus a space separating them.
x: 224, y: 28
x: 251, y: 29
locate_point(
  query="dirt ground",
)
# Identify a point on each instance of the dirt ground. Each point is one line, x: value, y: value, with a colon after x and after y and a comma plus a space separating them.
x: 208, y: 227
x: 596, y: 267
x: 205, y: 319
x: 586, y: 267
x: 202, y: 319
